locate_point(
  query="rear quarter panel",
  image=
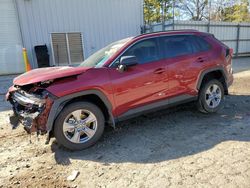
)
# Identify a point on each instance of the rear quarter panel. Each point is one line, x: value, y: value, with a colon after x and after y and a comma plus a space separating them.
x: 214, y: 59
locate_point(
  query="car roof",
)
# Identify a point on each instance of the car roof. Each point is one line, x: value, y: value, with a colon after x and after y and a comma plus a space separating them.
x: 170, y: 32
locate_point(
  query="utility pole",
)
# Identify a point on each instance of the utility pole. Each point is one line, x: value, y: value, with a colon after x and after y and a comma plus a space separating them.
x: 209, y: 15
x: 173, y: 4
x: 163, y: 16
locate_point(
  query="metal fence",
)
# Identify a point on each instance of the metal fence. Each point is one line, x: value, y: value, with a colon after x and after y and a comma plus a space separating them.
x: 234, y: 35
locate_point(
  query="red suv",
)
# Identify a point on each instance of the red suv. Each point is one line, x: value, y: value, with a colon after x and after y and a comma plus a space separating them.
x: 124, y: 79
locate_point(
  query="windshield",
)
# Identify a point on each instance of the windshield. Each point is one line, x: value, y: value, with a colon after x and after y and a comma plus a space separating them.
x: 100, y: 57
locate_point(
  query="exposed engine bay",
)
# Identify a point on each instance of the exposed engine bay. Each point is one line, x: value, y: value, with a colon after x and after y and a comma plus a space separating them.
x: 34, y: 94
x: 31, y: 107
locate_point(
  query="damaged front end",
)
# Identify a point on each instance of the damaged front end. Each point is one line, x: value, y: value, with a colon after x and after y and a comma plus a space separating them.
x: 31, y: 107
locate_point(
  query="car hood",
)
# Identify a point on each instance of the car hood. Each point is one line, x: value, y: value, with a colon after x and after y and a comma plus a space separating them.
x: 44, y: 74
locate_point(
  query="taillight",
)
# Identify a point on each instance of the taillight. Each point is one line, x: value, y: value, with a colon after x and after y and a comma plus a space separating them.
x: 227, y: 52
x: 231, y: 51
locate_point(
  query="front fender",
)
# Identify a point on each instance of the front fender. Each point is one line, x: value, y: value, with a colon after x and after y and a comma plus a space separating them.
x: 60, y: 103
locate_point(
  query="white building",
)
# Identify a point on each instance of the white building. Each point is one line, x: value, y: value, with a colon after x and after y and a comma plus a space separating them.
x: 71, y: 29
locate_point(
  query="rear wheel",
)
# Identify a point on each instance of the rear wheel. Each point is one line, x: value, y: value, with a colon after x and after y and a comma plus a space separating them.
x: 79, y: 125
x: 211, y: 96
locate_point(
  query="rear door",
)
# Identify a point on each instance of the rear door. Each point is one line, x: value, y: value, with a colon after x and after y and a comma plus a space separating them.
x: 141, y: 84
x: 178, y: 53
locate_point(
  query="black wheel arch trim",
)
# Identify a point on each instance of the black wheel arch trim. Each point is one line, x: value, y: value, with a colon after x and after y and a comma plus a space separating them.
x: 61, y: 102
x: 202, y: 75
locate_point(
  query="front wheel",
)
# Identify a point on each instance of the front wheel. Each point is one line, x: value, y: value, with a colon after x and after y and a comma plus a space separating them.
x: 211, y: 96
x: 79, y: 125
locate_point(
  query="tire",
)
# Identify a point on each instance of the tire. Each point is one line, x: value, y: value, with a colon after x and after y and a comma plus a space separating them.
x: 204, y: 94
x: 70, y: 116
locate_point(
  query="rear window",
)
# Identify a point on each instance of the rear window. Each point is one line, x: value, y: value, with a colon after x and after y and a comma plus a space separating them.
x: 201, y: 45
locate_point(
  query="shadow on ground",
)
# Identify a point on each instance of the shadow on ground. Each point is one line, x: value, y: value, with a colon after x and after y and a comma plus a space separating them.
x: 167, y: 134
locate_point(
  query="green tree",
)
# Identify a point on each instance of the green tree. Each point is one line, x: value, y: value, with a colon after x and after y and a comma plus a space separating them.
x: 237, y: 12
x: 152, y: 12
x: 155, y: 9
x: 166, y: 9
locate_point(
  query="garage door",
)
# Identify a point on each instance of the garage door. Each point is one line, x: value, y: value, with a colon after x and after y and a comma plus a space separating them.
x: 11, y: 60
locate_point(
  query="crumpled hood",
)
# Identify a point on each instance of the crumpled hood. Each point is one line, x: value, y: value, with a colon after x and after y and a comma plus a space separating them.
x: 49, y: 73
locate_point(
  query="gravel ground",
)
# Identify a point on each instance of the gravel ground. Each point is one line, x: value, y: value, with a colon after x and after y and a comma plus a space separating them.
x: 178, y: 147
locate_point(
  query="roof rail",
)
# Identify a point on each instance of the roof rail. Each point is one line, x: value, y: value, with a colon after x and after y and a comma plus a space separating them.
x: 177, y: 30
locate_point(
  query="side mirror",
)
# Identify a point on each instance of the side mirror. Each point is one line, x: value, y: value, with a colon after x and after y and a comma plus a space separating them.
x: 127, y: 61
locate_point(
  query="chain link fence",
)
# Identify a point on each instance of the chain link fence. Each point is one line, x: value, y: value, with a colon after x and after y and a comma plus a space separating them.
x: 233, y: 34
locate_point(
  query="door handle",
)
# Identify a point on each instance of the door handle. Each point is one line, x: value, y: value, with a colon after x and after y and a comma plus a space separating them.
x: 200, y: 60
x: 159, y: 71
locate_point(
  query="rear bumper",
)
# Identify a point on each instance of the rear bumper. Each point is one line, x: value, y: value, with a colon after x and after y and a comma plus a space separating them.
x: 230, y: 77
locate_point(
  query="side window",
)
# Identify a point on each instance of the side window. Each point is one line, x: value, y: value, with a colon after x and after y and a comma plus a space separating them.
x: 146, y: 51
x: 174, y: 46
x: 201, y: 45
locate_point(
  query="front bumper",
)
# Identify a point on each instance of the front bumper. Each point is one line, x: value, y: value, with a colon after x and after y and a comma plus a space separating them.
x: 30, y: 110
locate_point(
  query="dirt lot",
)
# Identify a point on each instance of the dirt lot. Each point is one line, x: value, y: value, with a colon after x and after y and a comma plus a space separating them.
x: 178, y: 147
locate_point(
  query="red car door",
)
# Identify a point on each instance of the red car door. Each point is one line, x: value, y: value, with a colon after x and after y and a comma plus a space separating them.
x: 180, y: 61
x: 143, y: 83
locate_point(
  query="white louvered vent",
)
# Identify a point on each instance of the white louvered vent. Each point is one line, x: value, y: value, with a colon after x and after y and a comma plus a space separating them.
x: 67, y: 48
x: 75, y: 47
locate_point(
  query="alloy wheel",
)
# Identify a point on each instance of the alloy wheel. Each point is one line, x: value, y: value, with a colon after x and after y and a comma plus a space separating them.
x: 213, y: 96
x: 80, y: 126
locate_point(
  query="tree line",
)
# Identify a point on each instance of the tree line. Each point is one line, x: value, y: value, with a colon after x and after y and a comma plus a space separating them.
x: 156, y: 11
